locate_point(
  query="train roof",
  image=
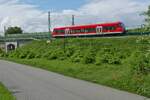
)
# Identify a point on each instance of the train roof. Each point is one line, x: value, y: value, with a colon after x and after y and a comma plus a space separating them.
x: 89, y: 25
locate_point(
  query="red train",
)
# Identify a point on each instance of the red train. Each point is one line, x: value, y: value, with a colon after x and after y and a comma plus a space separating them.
x: 90, y: 30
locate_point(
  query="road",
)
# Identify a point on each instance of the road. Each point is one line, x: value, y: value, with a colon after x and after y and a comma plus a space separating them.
x: 28, y: 83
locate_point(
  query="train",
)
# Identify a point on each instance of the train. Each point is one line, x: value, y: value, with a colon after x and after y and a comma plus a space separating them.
x: 103, y: 29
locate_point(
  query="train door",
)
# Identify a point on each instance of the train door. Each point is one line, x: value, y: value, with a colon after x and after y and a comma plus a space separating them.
x: 99, y: 30
x: 67, y: 32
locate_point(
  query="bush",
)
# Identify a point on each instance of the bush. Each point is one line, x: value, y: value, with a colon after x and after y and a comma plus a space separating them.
x: 70, y: 51
x: 14, y: 54
x: 77, y: 56
x: 55, y: 54
x: 2, y: 53
x: 108, y: 56
x: 24, y: 54
x: 46, y: 54
x: 143, y: 40
x: 140, y: 63
x: 30, y: 55
x: 61, y: 55
x: 89, y: 57
x: 38, y: 55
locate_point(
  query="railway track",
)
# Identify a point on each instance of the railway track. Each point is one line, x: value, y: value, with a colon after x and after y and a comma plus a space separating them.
x: 45, y: 36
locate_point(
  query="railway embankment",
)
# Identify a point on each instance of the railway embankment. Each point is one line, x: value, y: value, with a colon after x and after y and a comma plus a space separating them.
x: 122, y: 63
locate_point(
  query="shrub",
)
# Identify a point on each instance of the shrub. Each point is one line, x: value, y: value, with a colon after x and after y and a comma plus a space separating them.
x: 55, y: 54
x: 24, y: 54
x: 31, y: 55
x: 107, y: 56
x: 38, y: 55
x: 2, y: 53
x: 77, y: 56
x: 14, y: 54
x: 89, y: 57
x: 143, y: 40
x: 61, y: 55
x: 46, y: 54
x: 70, y: 51
x: 140, y: 63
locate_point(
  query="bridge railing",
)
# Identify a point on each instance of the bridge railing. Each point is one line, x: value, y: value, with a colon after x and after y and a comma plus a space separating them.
x: 44, y: 35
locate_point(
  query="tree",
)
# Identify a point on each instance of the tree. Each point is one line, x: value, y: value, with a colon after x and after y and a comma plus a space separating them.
x: 14, y: 30
x: 147, y: 15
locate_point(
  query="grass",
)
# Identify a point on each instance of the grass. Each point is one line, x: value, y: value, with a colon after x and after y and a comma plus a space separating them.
x: 122, y: 62
x: 119, y: 77
x: 5, y: 94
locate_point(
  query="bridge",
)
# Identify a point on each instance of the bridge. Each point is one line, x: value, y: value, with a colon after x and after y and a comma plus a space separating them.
x: 11, y: 42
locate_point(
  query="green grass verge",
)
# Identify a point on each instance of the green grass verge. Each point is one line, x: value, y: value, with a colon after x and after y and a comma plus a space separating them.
x: 115, y: 76
x: 5, y: 94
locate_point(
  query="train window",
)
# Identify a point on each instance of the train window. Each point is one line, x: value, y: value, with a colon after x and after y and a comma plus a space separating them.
x: 109, y: 28
x: 82, y: 30
x: 122, y: 25
x: 113, y: 28
x: 60, y: 31
x: 85, y: 30
x: 78, y: 31
x: 90, y: 30
x: 72, y: 31
x: 105, y: 28
x: 55, y: 31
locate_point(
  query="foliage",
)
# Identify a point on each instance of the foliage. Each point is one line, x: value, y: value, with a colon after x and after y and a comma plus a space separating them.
x: 89, y: 57
x: 122, y: 63
x: 147, y: 15
x: 145, y: 27
x: 109, y: 56
x: 141, y: 63
x: 2, y: 53
x: 143, y: 40
x: 5, y: 94
x: 14, y: 30
x: 139, y: 30
x: 77, y: 56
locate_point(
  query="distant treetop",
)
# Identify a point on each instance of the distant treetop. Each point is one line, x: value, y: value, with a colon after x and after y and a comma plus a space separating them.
x: 14, y: 30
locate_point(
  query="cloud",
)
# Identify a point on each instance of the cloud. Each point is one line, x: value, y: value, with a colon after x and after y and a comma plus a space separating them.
x: 14, y: 13
x: 98, y: 11
x: 33, y: 19
x: 112, y: 10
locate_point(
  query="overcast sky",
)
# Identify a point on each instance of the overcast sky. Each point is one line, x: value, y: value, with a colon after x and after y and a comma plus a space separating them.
x: 31, y: 15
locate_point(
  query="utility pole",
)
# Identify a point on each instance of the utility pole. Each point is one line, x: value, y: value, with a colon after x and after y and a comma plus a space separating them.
x: 49, y: 25
x: 73, y: 23
x: 4, y: 31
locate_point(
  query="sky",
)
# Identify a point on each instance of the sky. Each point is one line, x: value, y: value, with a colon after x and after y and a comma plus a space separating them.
x: 31, y: 15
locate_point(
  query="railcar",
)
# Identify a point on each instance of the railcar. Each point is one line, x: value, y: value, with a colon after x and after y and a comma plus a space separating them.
x: 90, y: 30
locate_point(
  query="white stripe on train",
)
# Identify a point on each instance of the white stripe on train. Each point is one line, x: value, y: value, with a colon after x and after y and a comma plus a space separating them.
x: 86, y: 34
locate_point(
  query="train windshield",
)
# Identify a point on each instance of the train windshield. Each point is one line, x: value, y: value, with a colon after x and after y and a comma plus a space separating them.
x: 122, y: 25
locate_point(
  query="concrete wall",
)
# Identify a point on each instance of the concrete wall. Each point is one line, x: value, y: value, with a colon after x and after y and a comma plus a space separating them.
x: 2, y: 45
x: 15, y: 44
